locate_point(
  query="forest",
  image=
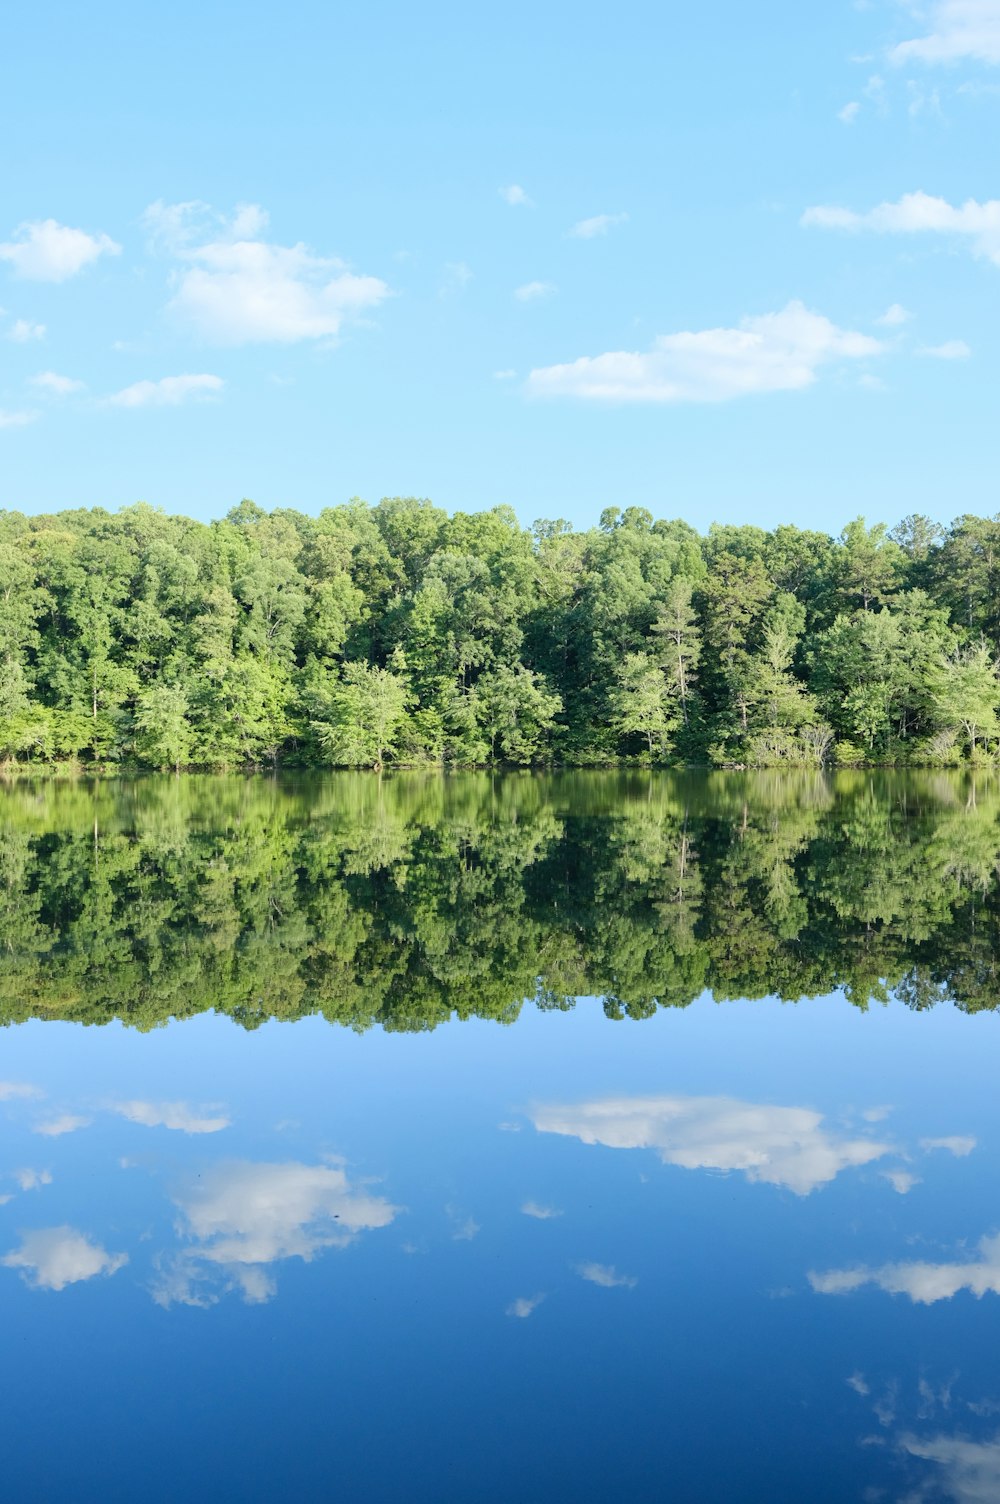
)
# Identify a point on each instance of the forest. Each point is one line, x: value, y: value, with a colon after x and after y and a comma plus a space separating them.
x: 406, y: 901
x: 400, y: 634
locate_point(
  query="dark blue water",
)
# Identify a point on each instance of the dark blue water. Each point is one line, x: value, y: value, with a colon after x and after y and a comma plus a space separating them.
x: 736, y: 1252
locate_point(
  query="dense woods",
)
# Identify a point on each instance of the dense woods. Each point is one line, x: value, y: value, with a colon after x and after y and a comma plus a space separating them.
x: 396, y: 633
x: 405, y: 901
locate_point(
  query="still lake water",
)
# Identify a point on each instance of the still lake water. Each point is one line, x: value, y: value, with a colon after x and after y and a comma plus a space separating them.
x: 564, y: 1138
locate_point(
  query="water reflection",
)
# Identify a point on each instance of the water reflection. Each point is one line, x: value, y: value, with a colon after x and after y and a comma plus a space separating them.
x: 50, y: 1258
x: 786, y: 1146
x: 922, y: 1281
x: 407, y: 901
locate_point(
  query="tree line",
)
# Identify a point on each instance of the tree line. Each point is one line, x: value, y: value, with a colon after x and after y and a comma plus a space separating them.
x: 396, y: 633
x: 407, y: 901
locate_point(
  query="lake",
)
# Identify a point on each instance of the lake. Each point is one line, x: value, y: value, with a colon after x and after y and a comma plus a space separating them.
x: 488, y: 1138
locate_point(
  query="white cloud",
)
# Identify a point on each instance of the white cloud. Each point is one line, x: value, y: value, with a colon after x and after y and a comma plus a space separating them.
x: 67, y: 1122
x: 530, y: 291
x: 515, y: 195
x: 15, y: 1091
x: 464, y: 1229
x: 607, y: 1276
x: 524, y: 1305
x: 539, y: 1212
x: 919, y: 213
x: 901, y: 1180
x: 786, y: 1146
x: 46, y: 251
x: 23, y: 330
x: 55, y: 385
x: 858, y: 1383
x: 923, y: 1282
x: 169, y: 391
x: 53, y: 1257
x: 32, y: 1180
x: 849, y: 113
x: 177, y: 1115
x: 894, y: 315
x: 959, y: 1144
x: 771, y: 353
x: 242, y: 1217
x: 970, y: 1469
x: 598, y: 224
x: 15, y: 419
x: 505, y: 375
x: 952, y: 349
x: 958, y: 29
x: 233, y: 288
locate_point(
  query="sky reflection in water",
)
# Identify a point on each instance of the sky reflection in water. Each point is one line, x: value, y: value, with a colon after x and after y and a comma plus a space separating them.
x: 747, y: 1251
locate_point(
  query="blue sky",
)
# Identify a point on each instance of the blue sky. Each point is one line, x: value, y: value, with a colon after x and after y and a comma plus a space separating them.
x: 729, y: 262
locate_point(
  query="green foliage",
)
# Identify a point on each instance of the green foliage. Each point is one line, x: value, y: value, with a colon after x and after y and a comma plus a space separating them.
x: 406, y: 900
x: 398, y: 633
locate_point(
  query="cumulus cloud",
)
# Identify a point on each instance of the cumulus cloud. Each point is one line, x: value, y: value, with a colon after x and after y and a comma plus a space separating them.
x: 55, y: 385
x: 53, y: 1257
x: 540, y: 1212
x: 952, y: 349
x: 14, y: 1091
x: 919, y: 213
x: 957, y: 30
x: 774, y: 352
x: 233, y: 288
x: 515, y: 195
x: 67, y: 1122
x: 786, y: 1146
x: 43, y: 250
x: 922, y: 1281
x: 243, y: 1217
x: 959, y: 1144
x: 894, y: 315
x: 531, y: 291
x: 607, y: 1276
x: 169, y: 391
x: 22, y: 331
x: 598, y: 224
x: 524, y: 1305
x: 180, y: 1116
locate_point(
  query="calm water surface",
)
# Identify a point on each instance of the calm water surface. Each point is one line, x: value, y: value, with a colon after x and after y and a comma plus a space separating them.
x: 563, y: 1138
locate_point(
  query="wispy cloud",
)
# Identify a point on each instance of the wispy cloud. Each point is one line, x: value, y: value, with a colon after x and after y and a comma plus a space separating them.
x: 67, y: 1122
x: 515, y: 195
x: 901, y: 1180
x: 598, y: 224
x: 524, y: 1305
x: 16, y: 418
x: 43, y: 250
x: 23, y: 331
x: 51, y: 1258
x: 774, y: 352
x: 19, y: 1091
x: 32, y: 1180
x: 895, y: 315
x: 957, y: 30
x: 959, y: 1144
x: 607, y: 1276
x: 180, y: 1116
x: 55, y: 385
x: 849, y: 113
x: 919, y: 214
x: 924, y: 1282
x: 456, y: 279
x: 952, y: 349
x: 169, y: 391
x: 530, y: 292
x: 540, y: 1212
